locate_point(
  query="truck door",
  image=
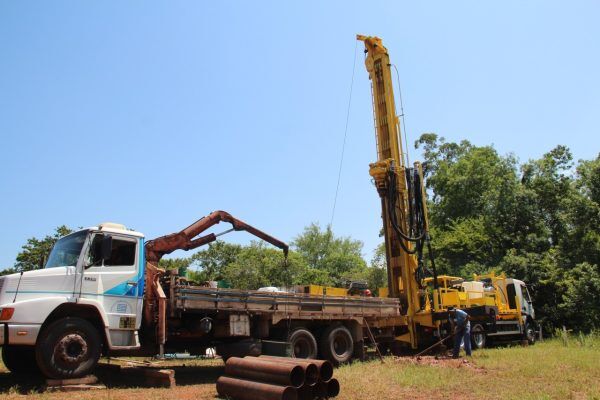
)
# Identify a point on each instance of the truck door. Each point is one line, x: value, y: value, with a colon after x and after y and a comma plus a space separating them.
x: 526, y: 303
x: 116, y: 282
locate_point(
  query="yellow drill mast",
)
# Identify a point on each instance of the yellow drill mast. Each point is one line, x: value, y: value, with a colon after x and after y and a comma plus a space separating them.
x: 404, y: 211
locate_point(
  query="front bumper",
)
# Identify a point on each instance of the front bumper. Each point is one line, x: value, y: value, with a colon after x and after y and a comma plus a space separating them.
x: 19, y: 334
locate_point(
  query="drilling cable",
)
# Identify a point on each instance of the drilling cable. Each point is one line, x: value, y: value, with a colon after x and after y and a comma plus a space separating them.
x: 402, y: 113
x: 337, y: 187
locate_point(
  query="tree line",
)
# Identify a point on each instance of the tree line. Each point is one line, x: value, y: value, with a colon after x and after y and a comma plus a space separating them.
x: 538, y: 221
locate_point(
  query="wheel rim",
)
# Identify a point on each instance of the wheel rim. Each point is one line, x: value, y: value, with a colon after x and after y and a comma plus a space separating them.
x: 478, y: 338
x: 340, y: 344
x: 530, y: 334
x: 71, y: 349
x: 301, y: 348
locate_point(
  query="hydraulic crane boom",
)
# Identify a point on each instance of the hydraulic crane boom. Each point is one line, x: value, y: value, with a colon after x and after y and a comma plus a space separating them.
x: 402, y: 196
x: 186, y: 238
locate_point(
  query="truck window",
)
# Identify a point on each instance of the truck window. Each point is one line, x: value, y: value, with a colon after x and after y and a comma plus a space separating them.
x: 511, y: 293
x: 123, y: 252
x: 66, y: 251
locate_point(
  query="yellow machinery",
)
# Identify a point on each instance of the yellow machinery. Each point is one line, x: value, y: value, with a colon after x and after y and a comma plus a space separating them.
x: 500, y: 309
x: 500, y: 296
x: 402, y: 194
x: 455, y: 292
x: 323, y: 290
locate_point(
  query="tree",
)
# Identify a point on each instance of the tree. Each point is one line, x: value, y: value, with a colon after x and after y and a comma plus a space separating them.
x: 377, y: 271
x: 539, y: 222
x: 34, y: 253
x: 257, y: 265
x: 180, y: 264
x: 210, y: 264
x: 339, y: 257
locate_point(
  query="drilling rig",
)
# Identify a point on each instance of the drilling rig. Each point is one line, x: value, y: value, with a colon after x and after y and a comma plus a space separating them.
x: 499, y: 307
x: 403, y: 200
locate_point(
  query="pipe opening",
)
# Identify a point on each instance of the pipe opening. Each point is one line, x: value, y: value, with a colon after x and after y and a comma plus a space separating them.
x: 297, y: 376
x: 289, y: 393
x: 312, y: 374
x: 326, y: 371
x: 333, y: 388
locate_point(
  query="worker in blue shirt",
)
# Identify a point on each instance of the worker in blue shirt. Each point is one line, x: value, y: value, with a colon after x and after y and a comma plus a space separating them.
x: 461, y: 327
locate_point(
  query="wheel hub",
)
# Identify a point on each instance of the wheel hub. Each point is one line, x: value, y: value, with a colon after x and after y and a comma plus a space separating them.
x: 340, y: 345
x: 72, y: 349
x: 478, y: 338
x: 301, y: 349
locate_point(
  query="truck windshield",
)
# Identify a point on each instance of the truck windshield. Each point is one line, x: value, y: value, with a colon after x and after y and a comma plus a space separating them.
x: 66, y: 251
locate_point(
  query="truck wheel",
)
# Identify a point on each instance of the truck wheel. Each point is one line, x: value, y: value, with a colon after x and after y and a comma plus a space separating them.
x: 529, y: 332
x: 20, y: 360
x: 68, y: 348
x: 337, y: 345
x: 478, y: 336
x: 304, y: 344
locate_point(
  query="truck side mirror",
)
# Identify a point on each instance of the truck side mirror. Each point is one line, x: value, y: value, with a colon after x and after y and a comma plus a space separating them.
x: 106, y: 250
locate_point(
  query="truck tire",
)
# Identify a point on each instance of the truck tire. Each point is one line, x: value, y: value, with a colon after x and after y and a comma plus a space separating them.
x: 304, y: 344
x: 478, y: 336
x: 529, y: 332
x: 68, y: 348
x: 20, y: 360
x: 337, y: 345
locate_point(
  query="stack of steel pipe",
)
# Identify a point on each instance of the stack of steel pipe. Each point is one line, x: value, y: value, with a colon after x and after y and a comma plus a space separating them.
x: 324, y: 387
x: 277, y: 378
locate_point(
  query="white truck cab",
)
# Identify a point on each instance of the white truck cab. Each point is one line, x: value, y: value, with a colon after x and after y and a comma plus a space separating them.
x: 86, y: 299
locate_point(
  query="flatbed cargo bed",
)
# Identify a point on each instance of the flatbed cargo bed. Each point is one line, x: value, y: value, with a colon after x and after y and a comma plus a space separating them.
x: 282, y: 305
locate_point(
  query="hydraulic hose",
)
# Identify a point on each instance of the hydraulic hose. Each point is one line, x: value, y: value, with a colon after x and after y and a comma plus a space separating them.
x: 417, y: 232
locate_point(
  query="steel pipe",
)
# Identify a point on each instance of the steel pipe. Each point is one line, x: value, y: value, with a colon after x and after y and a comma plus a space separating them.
x: 241, y: 389
x: 311, y: 371
x: 262, y: 370
x: 333, y: 387
x: 325, y: 367
x: 330, y: 388
x: 306, y: 392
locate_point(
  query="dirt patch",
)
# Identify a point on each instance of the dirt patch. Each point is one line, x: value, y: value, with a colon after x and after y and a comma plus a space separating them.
x: 441, y: 361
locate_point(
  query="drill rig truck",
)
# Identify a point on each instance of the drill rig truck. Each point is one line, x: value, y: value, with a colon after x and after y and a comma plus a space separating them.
x: 102, y: 291
x: 499, y: 307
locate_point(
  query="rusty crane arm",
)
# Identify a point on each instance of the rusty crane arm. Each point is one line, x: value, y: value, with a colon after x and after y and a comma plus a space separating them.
x: 187, y: 238
x: 156, y: 300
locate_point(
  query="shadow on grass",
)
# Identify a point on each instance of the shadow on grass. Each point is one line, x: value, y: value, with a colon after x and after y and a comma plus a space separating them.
x: 198, y: 375
x: 21, y: 384
x: 184, y: 376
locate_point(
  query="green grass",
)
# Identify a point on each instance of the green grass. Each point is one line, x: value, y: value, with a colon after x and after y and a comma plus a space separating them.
x: 549, y: 370
x: 561, y: 368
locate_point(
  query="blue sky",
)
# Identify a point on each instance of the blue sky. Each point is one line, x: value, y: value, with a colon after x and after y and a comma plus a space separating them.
x: 153, y: 114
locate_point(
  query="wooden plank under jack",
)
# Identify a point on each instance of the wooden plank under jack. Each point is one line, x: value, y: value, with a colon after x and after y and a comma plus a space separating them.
x: 89, y: 382
x: 139, y: 375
